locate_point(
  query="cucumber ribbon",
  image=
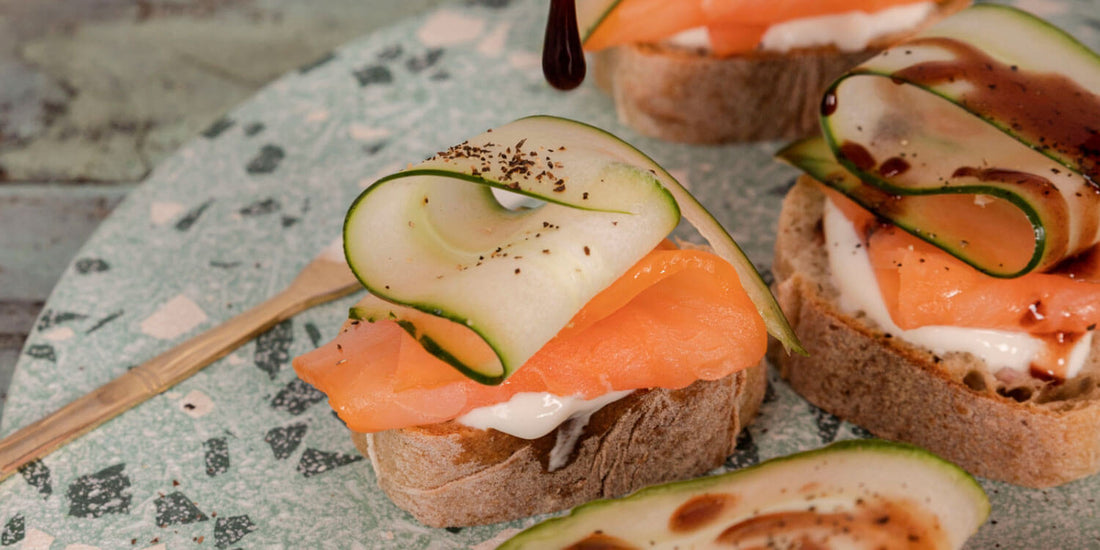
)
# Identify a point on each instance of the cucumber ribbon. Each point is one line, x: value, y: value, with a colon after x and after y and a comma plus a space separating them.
x: 484, y: 287
x: 981, y: 135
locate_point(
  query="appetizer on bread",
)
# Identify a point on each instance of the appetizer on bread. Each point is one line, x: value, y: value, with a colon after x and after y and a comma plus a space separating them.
x: 940, y: 259
x: 707, y: 71
x: 512, y: 361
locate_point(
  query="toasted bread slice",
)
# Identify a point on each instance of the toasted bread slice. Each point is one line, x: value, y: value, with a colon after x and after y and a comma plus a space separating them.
x: 450, y: 475
x: 687, y: 95
x: 1029, y: 433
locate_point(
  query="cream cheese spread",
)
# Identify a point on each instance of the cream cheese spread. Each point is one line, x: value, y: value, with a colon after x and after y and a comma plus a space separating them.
x: 851, y: 31
x: 848, y: 31
x: 854, y: 277
x: 531, y: 415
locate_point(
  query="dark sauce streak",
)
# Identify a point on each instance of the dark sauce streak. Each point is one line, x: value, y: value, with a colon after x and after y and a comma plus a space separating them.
x: 1050, y: 111
x: 699, y: 512
x: 600, y: 541
x: 828, y: 103
x: 858, y: 155
x: 1046, y: 375
x: 1052, y: 362
x: 874, y: 522
x: 562, y: 53
x: 1034, y: 315
x: 1004, y: 175
x: 1082, y: 267
x: 893, y: 166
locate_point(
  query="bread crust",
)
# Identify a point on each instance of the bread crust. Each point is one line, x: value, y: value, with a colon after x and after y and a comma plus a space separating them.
x: 450, y: 475
x: 686, y: 95
x: 950, y: 405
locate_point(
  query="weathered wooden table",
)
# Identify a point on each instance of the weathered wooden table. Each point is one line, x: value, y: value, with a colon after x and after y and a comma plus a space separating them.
x: 93, y: 96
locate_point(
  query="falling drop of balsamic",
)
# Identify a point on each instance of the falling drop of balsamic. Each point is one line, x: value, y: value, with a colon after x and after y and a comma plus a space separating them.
x: 828, y: 103
x: 562, y: 56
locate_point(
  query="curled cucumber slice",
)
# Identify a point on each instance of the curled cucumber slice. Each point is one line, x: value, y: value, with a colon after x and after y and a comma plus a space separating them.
x: 447, y: 261
x: 980, y: 136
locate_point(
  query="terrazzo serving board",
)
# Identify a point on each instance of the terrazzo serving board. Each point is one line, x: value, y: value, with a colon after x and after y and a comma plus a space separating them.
x: 243, y: 455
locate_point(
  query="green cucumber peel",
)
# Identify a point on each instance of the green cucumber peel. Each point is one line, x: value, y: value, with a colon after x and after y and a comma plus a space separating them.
x: 459, y: 349
x: 922, y: 105
x: 840, y: 479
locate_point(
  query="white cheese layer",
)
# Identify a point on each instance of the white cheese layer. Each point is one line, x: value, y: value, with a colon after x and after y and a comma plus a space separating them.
x: 531, y: 415
x: 849, y: 31
x: 854, y: 277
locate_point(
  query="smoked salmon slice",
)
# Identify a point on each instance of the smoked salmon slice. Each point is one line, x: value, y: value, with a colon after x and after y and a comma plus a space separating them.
x: 675, y: 317
x: 922, y: 285
x: 734, y: 26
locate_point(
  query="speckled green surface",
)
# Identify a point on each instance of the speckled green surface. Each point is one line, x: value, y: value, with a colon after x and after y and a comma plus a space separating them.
x: 243, y: 456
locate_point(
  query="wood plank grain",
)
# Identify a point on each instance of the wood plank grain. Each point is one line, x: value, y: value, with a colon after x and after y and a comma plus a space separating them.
x: 16, y: 320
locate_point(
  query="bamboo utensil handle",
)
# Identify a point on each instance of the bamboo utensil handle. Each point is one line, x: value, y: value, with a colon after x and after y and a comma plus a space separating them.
x: 325, y: 278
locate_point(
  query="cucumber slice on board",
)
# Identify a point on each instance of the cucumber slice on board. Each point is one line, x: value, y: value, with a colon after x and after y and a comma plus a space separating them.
x: 851, y: 494
x: 990, y: 106
x: 433, y: 240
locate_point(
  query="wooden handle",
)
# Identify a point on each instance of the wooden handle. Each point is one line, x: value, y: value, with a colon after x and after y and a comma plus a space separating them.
x: 148, y: 379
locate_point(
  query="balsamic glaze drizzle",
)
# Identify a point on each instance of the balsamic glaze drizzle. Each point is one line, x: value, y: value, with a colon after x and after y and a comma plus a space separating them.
x: 562, y: 53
